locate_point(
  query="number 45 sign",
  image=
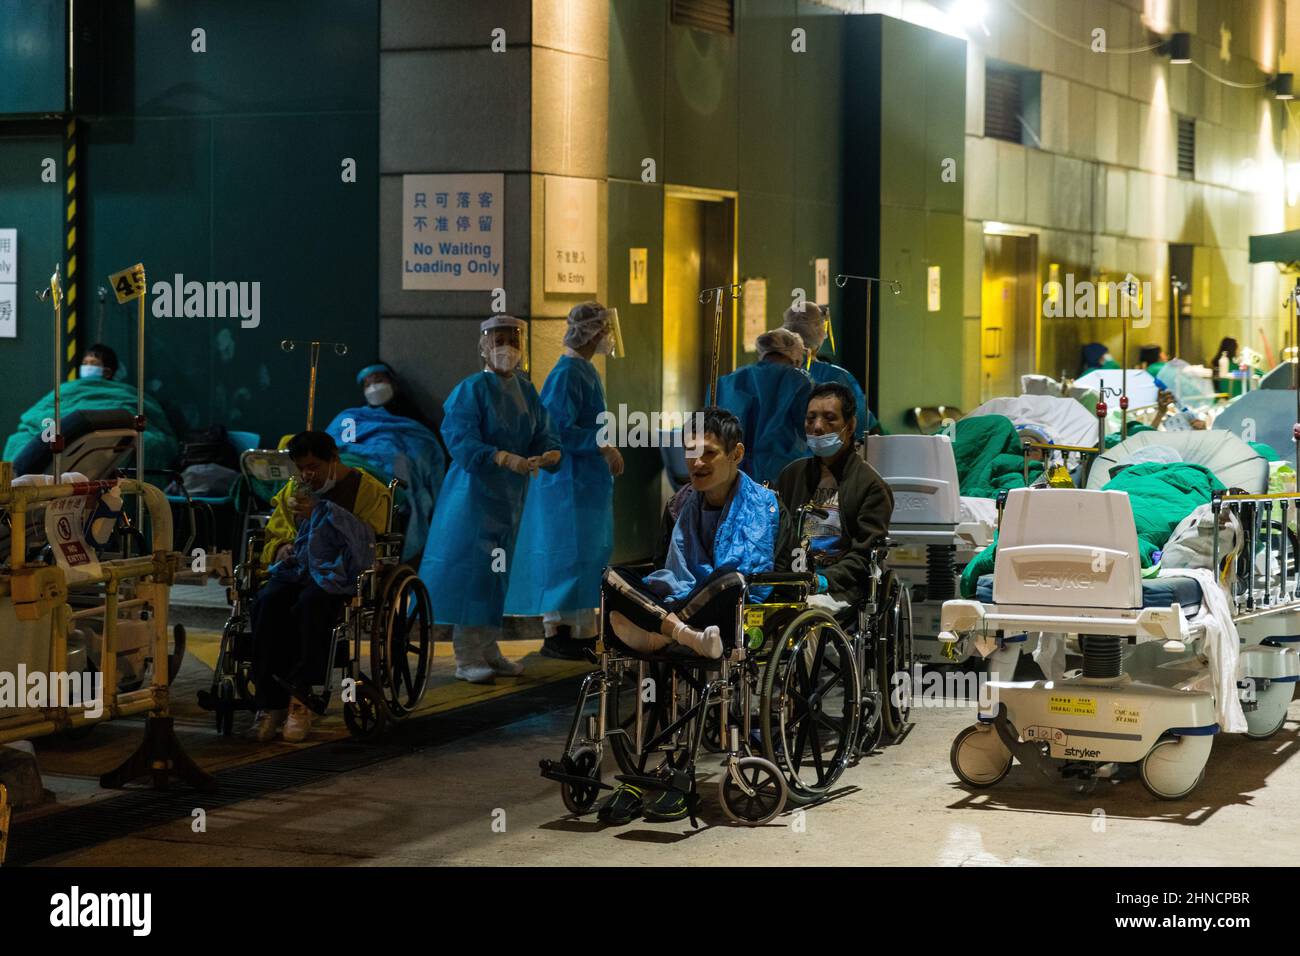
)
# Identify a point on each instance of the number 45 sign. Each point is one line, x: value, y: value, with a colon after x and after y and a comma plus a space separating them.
x: 128, y: 284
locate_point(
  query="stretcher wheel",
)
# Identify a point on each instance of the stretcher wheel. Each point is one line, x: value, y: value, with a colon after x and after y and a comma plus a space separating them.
x: 401, y: 641
x: 1167, y: 773
x: 225, y: 707
x: 978, y: 756
x: 810, y: 705
x: 894, y: 655
x: 580, y: 798
x: 366, y: 718
x: 1265, y: 734
x: 767, y: 794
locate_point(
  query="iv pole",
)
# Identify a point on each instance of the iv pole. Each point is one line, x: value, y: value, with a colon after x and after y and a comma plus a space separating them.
x: 894, y: 286
x: 55, y: 293
x: 718, y: 294
x: 289, y: 345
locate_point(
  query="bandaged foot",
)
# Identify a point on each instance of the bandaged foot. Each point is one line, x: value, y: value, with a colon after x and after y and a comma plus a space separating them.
x: 706, y: 643
x: 637, y: 638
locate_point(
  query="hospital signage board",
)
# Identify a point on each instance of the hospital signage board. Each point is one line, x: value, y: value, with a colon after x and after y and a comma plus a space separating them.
x: 8, y: 283
x: 65, y: 529
x: 638, y: 281
x: 453, y: 230
x: 570, y: 234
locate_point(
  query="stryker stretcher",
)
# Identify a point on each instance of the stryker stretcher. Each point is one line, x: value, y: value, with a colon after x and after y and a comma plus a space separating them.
x: 1211, y: 650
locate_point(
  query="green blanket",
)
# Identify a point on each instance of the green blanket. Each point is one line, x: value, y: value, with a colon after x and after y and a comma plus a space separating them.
x: 1160, y: 494
x: 987, y: 451
x: 90, y: 394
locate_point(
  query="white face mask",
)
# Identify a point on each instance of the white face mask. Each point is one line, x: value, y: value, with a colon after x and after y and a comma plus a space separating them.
x: 504, y: 358
x: 328, y: 483
x: 381, y: 393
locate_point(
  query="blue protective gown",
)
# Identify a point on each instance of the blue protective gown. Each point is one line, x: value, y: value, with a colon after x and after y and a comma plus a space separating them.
x: 568, y: 528
x: 771, y: 400
x: 828, y: 372
x: 481, y: 503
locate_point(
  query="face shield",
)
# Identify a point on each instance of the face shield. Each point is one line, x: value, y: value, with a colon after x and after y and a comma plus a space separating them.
x: 613, y: 344
x: 503, y: 344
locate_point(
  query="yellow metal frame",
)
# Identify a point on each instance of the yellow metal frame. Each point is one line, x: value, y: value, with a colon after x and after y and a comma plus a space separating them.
x: 40, y: 591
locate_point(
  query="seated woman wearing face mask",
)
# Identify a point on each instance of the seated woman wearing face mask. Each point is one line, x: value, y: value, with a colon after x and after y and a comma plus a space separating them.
x: 98, y: 388
x: 855, y: 500
x: 389, y: 438
x: 499, y: 434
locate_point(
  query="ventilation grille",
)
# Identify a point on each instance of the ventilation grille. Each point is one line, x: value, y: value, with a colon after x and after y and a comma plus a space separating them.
x: 1186, y: 147
x: 1002, y: 105
x: 716, y: 16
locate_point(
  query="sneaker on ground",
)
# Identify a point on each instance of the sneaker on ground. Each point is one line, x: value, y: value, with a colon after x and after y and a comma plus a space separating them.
x: 298, y: 726
x: 268, y: 724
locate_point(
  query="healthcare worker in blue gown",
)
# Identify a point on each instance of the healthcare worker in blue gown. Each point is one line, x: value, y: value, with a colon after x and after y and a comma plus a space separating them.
x: 770, y: 398
x: 499, y: 435
x: 568, y: 530
x: 810, y: 323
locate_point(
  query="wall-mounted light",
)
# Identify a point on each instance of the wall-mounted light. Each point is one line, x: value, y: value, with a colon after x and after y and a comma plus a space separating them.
x: 1179, y: 48
x: 1282, y: 86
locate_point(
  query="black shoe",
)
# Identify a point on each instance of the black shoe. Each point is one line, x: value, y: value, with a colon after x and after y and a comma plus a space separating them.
x: 623, y: 806
x: 668, y: 806
x: 565, y: 648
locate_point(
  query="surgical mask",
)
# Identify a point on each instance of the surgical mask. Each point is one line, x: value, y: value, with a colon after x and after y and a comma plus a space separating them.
x: 504, y: 358
x: 825, y: 446
x: 92, y: 371
x: 381, y: 393
x: 327, y: 484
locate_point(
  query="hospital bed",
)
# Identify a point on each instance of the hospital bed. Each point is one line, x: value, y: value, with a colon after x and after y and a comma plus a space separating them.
x: 934, y: 529
x: 1167, y: 663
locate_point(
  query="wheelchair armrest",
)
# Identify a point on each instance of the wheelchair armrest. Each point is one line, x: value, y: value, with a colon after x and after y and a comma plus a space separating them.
x: 782, y: 577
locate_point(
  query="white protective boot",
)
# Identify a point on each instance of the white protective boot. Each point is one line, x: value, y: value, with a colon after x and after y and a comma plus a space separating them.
x: 470, y: 664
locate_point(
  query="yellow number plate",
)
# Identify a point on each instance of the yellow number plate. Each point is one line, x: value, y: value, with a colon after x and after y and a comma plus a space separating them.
x: 753, y: 619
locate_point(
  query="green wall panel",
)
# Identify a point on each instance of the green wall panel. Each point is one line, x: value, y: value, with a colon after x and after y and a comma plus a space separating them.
x: 701, y: 109
x: 225, y: 166
x: 35, y: 209
x: 33, y: 56
x: 637, y: 34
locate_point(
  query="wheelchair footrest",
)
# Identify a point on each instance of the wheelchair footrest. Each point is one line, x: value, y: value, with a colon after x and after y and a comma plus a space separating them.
x: 554, y: 770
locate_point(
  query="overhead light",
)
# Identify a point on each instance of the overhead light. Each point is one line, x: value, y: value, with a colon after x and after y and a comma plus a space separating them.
x: 1179, y: 48
x: 970, y: 13
x: 1282, y: 87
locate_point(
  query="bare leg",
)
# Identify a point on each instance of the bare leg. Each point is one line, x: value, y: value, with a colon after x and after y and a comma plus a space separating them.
x: 637, y: 638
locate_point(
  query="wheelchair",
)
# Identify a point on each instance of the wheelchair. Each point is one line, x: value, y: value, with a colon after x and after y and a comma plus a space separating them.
x: 797, y: 696
x: 387, y: 624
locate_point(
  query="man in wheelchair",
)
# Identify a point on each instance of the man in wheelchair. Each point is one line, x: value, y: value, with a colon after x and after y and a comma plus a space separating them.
x: 321, y: 535
x: 846, y: 504
x: 719, y: 527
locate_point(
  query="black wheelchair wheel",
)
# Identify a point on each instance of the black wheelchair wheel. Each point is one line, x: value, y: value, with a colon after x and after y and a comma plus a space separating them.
x: 767, y: 792
x: 894, y: 658
x: 365, y: 717
x: 177, y: 656
x: 657, y: 715
x: 402, y: 641
x: 810, y: 705
x: 580, y: 798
